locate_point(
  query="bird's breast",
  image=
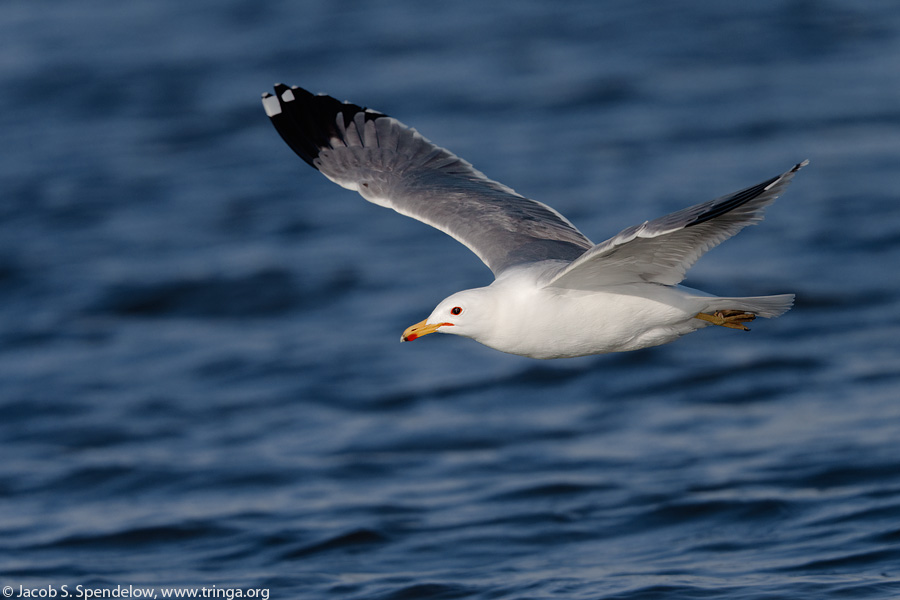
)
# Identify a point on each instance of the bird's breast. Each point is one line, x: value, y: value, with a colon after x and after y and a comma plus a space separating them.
x: 551, y: 323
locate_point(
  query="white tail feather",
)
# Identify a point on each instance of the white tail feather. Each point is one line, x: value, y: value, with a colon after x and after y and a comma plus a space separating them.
x: 761, y: 306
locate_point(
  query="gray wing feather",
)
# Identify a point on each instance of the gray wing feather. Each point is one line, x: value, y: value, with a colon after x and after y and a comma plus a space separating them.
x: 392, y: 165
x: 662, y: 250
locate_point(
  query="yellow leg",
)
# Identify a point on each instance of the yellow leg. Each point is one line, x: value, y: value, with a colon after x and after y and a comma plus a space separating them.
x: 733, y: 319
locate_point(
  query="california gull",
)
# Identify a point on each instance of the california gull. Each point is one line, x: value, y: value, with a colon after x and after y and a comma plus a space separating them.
x: 555, y: 293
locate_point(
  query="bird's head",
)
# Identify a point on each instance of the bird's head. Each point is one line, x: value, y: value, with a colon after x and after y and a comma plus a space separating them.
x: 467, y: 313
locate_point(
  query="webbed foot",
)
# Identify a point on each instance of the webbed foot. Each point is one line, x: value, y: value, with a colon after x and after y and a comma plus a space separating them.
x: 733, y: 319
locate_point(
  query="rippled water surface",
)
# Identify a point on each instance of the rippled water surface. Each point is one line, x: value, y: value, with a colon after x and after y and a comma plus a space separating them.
x: 200, y: 377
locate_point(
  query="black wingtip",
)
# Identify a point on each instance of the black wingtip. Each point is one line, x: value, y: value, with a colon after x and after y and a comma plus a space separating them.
x: 736, y: 200
x: 307, y: 121
x: 297, y: 120
x: 743, y: 196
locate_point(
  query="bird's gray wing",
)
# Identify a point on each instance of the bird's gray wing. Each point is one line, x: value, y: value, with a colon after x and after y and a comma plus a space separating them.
x: 662, y: 250
x: 392, y: 165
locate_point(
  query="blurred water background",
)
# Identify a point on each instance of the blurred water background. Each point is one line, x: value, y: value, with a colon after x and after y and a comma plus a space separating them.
x: 200, y: 377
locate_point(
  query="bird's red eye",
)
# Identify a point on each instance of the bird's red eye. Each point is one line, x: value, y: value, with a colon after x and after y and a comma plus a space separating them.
x: 455, y: 310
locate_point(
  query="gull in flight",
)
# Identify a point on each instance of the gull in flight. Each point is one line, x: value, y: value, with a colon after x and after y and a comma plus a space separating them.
x: 555, y: 293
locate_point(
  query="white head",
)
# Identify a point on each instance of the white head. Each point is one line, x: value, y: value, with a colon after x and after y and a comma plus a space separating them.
x: 469, y: 313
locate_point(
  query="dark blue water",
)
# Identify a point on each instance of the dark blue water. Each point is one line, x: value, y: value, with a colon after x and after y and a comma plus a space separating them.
x: 200, y: 377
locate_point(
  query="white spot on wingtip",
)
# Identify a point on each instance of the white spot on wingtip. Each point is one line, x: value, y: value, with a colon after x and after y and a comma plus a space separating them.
x: 270, y: 103
x: 287, y: 96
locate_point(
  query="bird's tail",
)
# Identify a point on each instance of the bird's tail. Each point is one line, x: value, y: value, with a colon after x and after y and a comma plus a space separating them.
x: 761, y: 306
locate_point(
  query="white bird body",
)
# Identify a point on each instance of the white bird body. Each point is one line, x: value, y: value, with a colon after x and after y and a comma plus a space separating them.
x: 555, y: 293
x: 518, y: 315
x: 559, y: 323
